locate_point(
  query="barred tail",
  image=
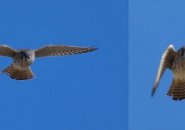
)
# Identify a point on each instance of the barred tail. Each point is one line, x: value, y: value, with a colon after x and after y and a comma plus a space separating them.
x: 177, y: 90
x: 18, y: 74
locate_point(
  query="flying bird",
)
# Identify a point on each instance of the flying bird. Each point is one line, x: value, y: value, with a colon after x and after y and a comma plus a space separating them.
x: 175, y: 61
x: 23, y: 58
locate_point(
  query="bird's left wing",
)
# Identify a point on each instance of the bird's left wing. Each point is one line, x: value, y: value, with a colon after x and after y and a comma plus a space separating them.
x: 60, y: 50
x: 7, y: 51
x: 166, y: 62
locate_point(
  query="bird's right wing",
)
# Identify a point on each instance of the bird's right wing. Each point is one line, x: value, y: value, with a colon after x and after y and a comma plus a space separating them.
x: 166, y: 62
x: 7, y: 51
x: 61, y: 50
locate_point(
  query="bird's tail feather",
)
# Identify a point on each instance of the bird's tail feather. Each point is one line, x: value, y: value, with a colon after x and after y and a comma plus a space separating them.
x: 18, y: 74
x: 177, y: 90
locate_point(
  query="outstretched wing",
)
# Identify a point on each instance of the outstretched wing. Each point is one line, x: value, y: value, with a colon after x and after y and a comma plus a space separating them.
x: 166, y: 62
x: 60, y: 50
x: 7, y: 51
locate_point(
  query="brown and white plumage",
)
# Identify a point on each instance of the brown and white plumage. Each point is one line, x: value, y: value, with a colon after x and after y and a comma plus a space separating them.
x: 7, y: 51
x: 23, y: 58
x: 19, y: 74
x: 175, y: 61
x: 54, y: 50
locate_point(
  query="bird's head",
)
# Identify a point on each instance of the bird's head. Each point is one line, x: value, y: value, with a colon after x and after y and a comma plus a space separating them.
x: 25, y: 55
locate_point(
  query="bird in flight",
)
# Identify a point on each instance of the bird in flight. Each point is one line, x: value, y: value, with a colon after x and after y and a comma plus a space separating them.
x: 175, y: 61
x: 23, y: 58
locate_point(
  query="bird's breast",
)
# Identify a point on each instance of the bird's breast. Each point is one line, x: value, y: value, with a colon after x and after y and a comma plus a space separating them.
x: 23, y: 61
x: 178, y: 68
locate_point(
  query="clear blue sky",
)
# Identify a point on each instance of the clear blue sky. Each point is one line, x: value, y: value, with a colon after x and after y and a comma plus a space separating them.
x: 153, y: 25
x: 79, y: 92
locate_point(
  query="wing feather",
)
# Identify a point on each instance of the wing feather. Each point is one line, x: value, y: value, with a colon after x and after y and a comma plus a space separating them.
x: 166, y: 62
x: 61, y: 50
x: 7, y: 51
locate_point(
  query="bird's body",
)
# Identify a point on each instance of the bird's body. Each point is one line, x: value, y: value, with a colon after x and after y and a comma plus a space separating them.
x: 178, y: 68
x: 177, y: 88
x: 23, y: 58
x: 175, y: 61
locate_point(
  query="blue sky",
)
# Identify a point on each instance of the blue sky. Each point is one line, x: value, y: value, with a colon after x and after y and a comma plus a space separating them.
x: 153, y: 25
x: 79, y: 92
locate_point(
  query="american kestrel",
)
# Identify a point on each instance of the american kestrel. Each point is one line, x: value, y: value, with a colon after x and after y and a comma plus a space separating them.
x: 175, y: 61
x: 23, y: 58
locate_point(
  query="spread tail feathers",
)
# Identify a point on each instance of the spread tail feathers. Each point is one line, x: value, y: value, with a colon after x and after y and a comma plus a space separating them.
x: 18, y: 74
x: 177, y: 90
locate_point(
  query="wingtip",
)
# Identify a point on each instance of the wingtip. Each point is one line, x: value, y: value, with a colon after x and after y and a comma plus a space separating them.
x: 93, y: 48
x: 153, y: 92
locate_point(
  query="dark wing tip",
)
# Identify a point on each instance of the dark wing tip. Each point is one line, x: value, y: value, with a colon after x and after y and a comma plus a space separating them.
x: 93, y: 48
x: 153, y: 92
